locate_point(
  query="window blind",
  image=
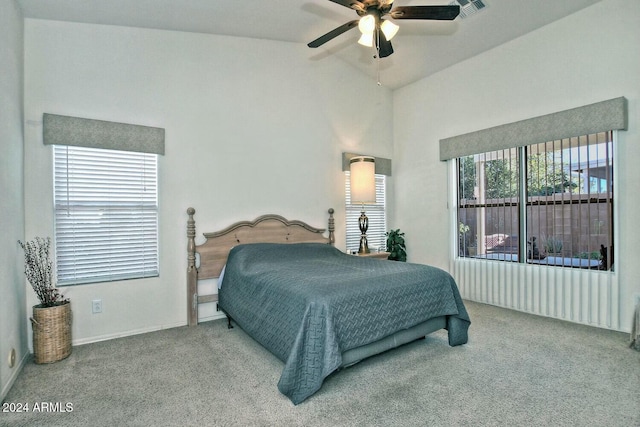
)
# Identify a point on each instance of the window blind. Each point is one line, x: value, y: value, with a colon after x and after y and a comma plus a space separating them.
x: 106, y: 215
x: 375, y: 212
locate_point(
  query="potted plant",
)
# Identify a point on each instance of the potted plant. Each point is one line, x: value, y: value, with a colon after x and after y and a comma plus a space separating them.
x: 472, y: 249
x: 463, y: 238
x: 396, y: 246
x: 51, y: 319
x: 553, y: 245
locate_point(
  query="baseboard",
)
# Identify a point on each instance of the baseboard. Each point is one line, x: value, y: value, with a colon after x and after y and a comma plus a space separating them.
x: 126, y: 333
x: 14, y: 375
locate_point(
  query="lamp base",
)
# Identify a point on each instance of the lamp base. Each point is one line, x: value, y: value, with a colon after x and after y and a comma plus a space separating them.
x: 363, y: 223
x: 364, y: 246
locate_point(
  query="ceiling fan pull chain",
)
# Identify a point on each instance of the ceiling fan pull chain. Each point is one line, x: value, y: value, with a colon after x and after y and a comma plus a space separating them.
x: 378, y: 57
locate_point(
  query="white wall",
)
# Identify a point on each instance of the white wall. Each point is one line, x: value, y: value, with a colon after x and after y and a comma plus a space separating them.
x: 252, y: 127
x: 587, y: 57
x: 13, y: 319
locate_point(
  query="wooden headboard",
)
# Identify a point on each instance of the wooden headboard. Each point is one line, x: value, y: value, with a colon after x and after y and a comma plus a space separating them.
x: 215, y: 249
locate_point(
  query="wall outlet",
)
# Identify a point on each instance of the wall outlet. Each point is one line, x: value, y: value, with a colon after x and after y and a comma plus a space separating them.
x: 96, y: 306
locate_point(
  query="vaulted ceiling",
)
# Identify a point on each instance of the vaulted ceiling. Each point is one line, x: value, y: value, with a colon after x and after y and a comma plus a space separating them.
x: 421, y: 47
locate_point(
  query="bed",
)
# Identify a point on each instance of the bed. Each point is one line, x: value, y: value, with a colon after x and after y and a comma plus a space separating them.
x: 314, y: 307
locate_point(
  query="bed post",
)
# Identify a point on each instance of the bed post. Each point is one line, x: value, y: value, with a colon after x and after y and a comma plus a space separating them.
x: 332, y: 227
x: 192, y: 271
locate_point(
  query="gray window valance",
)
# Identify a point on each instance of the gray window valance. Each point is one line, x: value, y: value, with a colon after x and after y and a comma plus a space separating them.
x: 383, y: 166
x: 593, y: 118
x: 65, y: 130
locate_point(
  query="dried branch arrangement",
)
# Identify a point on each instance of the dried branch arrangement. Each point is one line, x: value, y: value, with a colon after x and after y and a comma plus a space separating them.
x: 39, y: 271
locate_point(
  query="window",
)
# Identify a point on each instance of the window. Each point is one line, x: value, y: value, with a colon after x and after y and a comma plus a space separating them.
x: 106, y: 215
x: 488, y: 204
x: 550, y: 202
x: 375, y: 212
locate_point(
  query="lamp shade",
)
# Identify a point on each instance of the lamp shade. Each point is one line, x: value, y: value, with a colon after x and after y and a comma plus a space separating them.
x: 389, y: 29
x: 363, y: 179
x: 366, y: 40
x: 367, y: 24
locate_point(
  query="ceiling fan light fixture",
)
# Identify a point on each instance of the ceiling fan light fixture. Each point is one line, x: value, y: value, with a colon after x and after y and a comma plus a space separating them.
x: 366, y: 40
x: 389, y: 29
x: 367, y: 24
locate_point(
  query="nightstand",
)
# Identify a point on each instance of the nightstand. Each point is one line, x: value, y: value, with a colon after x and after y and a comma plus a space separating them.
x: 379, y: 255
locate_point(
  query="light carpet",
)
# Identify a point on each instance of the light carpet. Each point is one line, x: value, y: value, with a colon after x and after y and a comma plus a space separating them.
x: 516, y: 370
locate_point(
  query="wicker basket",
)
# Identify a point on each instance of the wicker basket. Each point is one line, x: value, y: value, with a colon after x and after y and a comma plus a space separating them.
x: 51, y: 332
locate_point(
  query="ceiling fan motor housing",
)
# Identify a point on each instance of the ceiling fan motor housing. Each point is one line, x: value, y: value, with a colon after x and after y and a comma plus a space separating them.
x: 372, y: 7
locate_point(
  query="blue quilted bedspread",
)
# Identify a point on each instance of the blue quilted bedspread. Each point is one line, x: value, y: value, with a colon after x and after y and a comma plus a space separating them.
x: 307, y: 303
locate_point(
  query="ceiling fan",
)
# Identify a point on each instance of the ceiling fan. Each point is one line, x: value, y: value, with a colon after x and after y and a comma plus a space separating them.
x: 378, y: 31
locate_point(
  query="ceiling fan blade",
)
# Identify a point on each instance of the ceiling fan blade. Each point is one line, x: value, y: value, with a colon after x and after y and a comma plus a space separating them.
x: 333, y: 33
x: 384, y: 46
x: 443, y: 13
x: 349, y: 3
